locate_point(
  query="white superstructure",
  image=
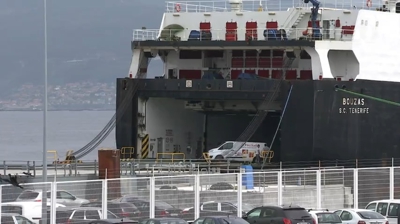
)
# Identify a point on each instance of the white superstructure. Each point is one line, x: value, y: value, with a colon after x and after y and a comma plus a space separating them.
x: 341, y: 40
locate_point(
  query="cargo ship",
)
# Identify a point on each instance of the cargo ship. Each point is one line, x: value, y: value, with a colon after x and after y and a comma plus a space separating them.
x: 314, y: 80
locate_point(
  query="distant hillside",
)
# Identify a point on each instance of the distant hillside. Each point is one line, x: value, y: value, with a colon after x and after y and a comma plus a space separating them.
x: 87, y: 40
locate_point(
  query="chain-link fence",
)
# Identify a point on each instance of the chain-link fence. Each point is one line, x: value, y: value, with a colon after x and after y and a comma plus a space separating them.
x: 192, y: 196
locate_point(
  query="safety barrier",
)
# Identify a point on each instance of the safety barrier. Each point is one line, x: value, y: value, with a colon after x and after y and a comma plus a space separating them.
x: 69, y: 158
x: 55, y: 155
x: 268, y: 155
x: 172, y: 157
x: 332, y: 189
x: 344, y: 33
x: 261, y: 5
x: 207, y: 157
x: 127, y: 154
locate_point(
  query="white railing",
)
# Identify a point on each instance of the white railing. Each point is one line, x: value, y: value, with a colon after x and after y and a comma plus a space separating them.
x: 254, y: 5
x: 220, y: 34
x: 322, y: 188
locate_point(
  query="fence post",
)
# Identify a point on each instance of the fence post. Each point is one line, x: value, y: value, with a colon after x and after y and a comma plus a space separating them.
x: 319, y: 190
x: 196, y: 196
x: 104, y: 198
x: 280, y: 188
x: 1, y: 198
x: 53, y: 202
x: 239, y: 193
x: 355, y: 187
x: 391, y: 183
x: 152, y: 196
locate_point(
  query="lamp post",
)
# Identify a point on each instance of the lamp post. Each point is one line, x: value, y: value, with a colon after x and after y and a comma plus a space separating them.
x: 44, y: 171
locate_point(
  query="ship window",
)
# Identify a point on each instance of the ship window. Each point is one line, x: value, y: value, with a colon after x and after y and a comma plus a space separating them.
x: 366, y: 22
x: 214, y: 54
x: 187, y: 54
x: 377, y: 23
x: 398, y: 7
x: 265, y: 53
x: 237, y: 53
x: 362, y: 22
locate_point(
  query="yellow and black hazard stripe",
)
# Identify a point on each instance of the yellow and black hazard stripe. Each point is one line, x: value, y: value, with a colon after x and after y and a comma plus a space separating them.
x: 145, y: 146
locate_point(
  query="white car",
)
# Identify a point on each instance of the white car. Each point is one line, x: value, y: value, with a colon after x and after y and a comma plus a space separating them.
x: 10, y: 218
x: 387, y: 208
x: 29, y: 209
x: 324, y: 216
x: 361, y: 216
x: 63, y: 197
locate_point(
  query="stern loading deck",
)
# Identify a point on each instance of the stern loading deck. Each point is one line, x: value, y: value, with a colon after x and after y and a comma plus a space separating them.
x: 319, y: 124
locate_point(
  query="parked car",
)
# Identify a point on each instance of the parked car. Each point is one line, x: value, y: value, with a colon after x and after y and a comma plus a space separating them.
x: 29, y: 209
x: 112, y: 221
x: 163, y: 221
x: 220, y: 220
x: 63, y: 197
x: 360, y: 216
x: 387, y: 208
x: 324, y: 216
x: 279, y: 214
x: 121, y: 209
x: 213, y: 208
x: 62, y: 216
x: 11, y: 218
x: 162, y: 209
x: 221, y: 207
x: 82, y: 214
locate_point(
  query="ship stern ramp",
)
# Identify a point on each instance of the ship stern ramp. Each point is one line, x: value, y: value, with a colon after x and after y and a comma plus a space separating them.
x: 184, y: 118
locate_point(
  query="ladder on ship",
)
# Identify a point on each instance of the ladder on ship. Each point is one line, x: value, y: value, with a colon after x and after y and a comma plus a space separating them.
x: 261, y: 114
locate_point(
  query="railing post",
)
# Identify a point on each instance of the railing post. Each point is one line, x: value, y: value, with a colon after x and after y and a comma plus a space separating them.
x: 355, y: 187
x: 104, y: 198
x: 319, y: 190
x: 280, y: 188
x: 196, y: 196
x: 391, y: 182
x: 152, y: 197
x: 53, y: 202
x: 239, y: 193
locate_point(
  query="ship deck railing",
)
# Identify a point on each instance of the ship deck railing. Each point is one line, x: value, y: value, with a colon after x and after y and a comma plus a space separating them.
x: 254, y: 5
x: 219, y: 34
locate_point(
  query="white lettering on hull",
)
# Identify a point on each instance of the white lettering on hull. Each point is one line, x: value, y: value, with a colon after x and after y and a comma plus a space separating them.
x: 355, y: 106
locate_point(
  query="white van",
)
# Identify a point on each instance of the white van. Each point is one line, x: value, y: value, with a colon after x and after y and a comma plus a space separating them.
x: 238, y: 151
x: 30, y: 210
x: 387, y: 208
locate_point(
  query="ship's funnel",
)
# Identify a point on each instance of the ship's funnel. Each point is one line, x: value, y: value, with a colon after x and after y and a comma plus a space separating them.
x: 236, y: 5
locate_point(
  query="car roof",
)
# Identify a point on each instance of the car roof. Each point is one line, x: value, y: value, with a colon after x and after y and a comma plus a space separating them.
x: 166, y: 218
x: 386, y: 200
x: 283, y: 206
x: 209, y: 202
x: 22, y: 203
x: 356, y: 210
x: 320, y: 211
x: 115, y: 220
x: 10, y: 214
x: 78, y: 208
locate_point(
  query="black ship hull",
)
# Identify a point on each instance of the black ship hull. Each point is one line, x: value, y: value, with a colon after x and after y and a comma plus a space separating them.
x: 319, y: 123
